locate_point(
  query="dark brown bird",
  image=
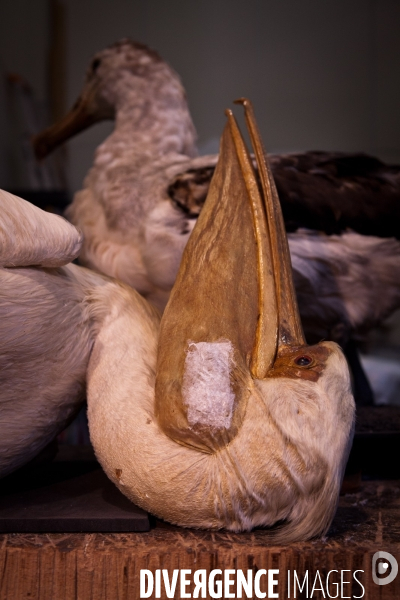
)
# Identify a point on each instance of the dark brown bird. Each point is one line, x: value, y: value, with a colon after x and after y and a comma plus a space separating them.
x: 325, y: 191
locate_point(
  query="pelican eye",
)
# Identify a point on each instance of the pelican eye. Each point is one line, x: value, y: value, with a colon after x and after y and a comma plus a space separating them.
x: 303, y: 360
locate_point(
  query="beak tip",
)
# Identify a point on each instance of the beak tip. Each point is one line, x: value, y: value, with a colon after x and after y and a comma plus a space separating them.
x: 244, y: 101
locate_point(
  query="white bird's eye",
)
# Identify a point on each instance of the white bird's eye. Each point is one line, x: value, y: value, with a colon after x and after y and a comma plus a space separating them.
x: 95, y: 64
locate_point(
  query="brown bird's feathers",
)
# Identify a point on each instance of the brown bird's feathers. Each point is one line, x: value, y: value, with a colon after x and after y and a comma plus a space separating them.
x: 325, y: 191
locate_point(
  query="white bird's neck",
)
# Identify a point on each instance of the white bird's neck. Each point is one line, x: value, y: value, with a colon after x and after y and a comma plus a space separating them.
x: 156, y: 121
x: 136, y: 455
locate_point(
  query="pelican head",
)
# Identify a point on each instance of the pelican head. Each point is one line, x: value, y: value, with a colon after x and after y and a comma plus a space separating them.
x: 240, y: 423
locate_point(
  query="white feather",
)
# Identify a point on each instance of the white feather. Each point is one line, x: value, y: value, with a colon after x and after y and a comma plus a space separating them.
x: 345, y: 284
x: 29, y: 236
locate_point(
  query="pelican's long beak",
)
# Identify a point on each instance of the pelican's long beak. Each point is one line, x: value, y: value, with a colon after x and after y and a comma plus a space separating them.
x: 87, y: 110
x: 233, y: 310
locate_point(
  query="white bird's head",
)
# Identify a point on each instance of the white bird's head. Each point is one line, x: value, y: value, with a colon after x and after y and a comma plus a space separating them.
x: 125, y: 74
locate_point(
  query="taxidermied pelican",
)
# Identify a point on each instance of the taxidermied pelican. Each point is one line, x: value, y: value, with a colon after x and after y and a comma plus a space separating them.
x: 258, y: 424
x: 50, y: 315
x: 145, y: 190
x: 238, y: 423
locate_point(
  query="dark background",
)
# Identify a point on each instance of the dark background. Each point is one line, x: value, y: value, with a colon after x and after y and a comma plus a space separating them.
x: 322, y: 74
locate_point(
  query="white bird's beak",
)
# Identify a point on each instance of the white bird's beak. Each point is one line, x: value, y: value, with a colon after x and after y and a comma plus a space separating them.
x: 88, y: 109
x: 234, y: 288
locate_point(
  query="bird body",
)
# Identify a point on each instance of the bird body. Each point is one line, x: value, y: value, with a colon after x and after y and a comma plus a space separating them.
x: 43, y: 358
x: 50, y: 314
x: 45, y: 346
x: 124, y: 210
x: 236, y: 453
x: 268, y: 473
x: 141, y: 246
x: 346, y: 284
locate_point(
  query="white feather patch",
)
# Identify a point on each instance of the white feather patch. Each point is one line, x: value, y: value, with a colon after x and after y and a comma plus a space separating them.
x: 206, y: 387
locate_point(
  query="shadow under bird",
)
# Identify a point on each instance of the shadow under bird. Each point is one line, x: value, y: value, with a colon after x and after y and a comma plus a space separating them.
x: 238, y: 423
x: 146, y: 188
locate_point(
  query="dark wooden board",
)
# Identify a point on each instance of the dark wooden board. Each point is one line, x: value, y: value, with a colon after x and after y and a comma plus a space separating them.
x: 66, y: 497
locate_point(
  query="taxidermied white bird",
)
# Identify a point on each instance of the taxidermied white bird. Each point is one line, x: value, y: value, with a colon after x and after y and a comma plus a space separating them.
x: 141, y: 197
x: 131, y: 228
x: 238, y: 423
x: 50, y: 315
x: 45, y: 339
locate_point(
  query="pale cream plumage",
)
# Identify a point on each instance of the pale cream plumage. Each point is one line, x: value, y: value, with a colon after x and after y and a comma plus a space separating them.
x: 48, y: 322
x: 131, y: 229
x: 292, y: 427
x: 41, y: 358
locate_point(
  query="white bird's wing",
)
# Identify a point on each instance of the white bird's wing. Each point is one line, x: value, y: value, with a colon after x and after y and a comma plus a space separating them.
x: 31, y: 237
x: 347, y: 283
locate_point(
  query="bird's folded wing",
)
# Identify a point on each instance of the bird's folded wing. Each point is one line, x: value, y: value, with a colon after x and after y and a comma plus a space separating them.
x: 31, y: 237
